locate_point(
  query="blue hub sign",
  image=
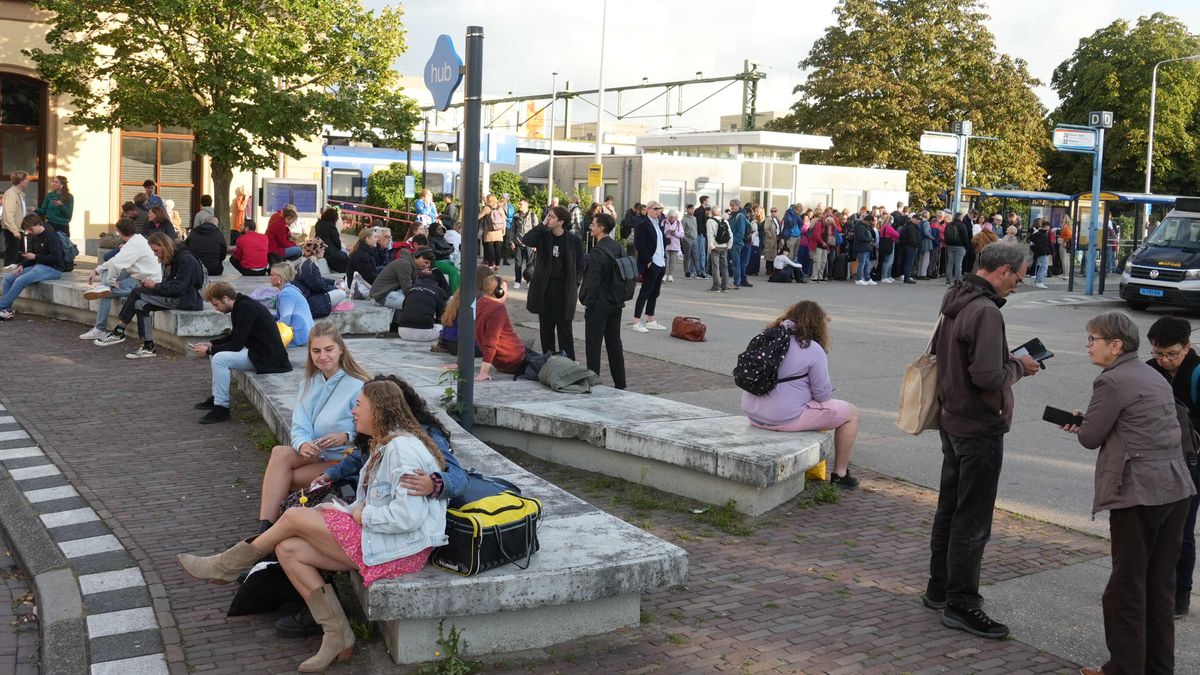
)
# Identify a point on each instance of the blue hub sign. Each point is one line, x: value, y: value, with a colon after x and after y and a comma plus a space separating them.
x: 443, y: 72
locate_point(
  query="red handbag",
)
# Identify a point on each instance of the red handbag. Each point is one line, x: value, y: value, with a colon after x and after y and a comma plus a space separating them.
x: 688, y: 328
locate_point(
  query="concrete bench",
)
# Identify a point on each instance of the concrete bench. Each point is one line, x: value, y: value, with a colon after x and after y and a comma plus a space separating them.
x: 63, y: 299
x: 684, y: 449
x: 586, y: 579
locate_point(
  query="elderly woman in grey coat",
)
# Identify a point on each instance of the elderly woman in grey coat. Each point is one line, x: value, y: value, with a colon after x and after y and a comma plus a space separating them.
x: 1142, y: 480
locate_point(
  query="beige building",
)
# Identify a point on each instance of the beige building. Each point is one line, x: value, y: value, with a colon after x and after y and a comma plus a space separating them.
x: 103, y: 169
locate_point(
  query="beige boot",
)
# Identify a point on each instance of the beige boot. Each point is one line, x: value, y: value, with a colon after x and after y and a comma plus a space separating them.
x: 223, y: 567
x: 338, y: 641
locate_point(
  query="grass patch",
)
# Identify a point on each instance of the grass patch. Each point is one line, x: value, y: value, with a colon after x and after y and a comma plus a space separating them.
x: 726, y: 518
x: 676, y: 615
x: 826, y: 493
x: 647, y: 617
x: 678, y: 638
x: 450, y: 662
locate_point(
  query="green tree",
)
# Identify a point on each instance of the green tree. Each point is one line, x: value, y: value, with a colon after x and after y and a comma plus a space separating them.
x: 250, y: 78
x: 886, y: 71
x: 385, y: 187
x: 502, y: 182
x: 1111, y: 70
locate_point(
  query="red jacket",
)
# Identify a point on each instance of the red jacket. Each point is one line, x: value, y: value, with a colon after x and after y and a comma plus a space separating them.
x: 495, y: 336
x: 251, y: 250
x: 279, y: 236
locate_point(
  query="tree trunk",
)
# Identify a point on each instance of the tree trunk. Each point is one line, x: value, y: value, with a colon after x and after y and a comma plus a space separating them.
x: 222, y: 176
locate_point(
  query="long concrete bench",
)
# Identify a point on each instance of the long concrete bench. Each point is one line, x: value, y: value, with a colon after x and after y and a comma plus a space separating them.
x: 63, y: 299
x: 587, y: 579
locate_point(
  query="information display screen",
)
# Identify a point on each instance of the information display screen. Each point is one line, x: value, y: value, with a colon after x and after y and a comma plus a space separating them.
x: 304, y: 195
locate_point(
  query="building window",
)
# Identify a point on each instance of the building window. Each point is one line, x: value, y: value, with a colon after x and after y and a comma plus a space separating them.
x: 346, y: 184
x: 670, y: 195
x: 22, y: 102
x: 164, y: 155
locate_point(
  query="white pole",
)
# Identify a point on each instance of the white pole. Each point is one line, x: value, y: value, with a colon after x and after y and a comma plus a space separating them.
x: 550, y: 170
x: 1150, y: 137
x: 598, y: 197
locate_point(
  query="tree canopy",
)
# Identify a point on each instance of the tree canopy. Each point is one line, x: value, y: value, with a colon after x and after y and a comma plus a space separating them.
x: 887, y: 70
x: 250, y: 78
x: 1111, y: 70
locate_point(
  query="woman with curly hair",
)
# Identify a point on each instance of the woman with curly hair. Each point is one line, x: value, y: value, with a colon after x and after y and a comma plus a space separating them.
x: 802, y: 398
x: 386, y: 533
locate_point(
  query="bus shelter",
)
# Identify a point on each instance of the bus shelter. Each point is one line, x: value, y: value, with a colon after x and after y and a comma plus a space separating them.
x: 1081, y: 205
x: 974, y: 195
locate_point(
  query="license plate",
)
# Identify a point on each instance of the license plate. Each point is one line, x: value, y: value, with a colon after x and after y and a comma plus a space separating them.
x: 1152, y: 292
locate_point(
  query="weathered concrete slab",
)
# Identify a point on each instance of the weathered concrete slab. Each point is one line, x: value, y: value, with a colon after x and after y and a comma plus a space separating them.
x: 581, y: 416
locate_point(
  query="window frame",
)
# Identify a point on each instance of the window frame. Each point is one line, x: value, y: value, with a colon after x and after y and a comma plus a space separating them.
x: 159, y: 136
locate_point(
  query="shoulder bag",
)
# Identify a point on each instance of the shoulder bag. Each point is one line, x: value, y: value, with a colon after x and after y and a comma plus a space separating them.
x: 919, y: 407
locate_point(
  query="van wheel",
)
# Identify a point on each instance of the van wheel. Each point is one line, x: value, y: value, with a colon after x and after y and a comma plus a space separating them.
x: 1137, y: 306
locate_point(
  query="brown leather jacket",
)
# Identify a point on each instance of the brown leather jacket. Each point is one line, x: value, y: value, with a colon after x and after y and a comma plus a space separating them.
x: 1131, y: 418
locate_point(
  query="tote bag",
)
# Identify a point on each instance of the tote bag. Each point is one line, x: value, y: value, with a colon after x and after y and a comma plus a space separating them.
x: 919, y: 406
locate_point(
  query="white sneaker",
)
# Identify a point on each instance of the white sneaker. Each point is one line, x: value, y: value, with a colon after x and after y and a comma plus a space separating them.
x: 670, y: 279
x: 860, y: 282
x: 93, y: 334
x: 6, y: 315
x: 142, y: 353
x: 639, y: 327
x: 887, y: 280
x: 9, y: 268
x: 109, y: 338
x: 517, y: 285
x: 872, y: 282
x: 654, y: 325
x: 97, y: 292
x: 1040, y: 286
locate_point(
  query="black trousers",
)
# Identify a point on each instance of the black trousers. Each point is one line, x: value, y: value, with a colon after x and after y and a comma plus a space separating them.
x: 553, y: 320
x: 648, y: 295
x: 604, y: 324
x: 1139, y: 601
x: 12, y: 248
x: 1187, y: 554
x: 491, y: 252
x: 246, y: 272
x: 963, y: 522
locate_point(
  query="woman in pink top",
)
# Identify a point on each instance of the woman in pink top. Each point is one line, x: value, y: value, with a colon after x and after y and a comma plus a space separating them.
x: 805, y: 403
x: 672, y: 229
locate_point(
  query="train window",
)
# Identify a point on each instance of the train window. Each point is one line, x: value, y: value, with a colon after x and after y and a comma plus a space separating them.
x: 436, y: 182
x: 346, y: 184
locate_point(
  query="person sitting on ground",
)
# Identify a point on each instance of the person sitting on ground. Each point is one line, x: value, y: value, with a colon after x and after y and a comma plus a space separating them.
x: 361, y: 265
x: 423, y: 305
x: 502, y: 349
x: 159, y: 221
x: 43, y: 260
x: 449, y: 484
x: 388, y: 532
x: 249, y: 256
x: 183, y: 277
x: 443, y: 253
x: 448, y: 338
x: 120, y: 274
x: 805, y: 403
x: 206, y: 242
x: 279, y: 235
x: 786, y: 271
x: 291, y: 307
x: 323, y: 294
x: 394, y: 281
x: 252, y: 344
x: 326, y: 230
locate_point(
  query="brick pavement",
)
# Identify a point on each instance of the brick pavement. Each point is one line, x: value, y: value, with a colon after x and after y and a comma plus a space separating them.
x: 814, y: 588
x: 19, y: 640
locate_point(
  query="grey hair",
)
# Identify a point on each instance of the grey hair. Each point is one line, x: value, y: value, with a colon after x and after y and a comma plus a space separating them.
x: 1115, y: 326
x: 672, y: 212
x: 734, y: 202
x: 1001, y: 253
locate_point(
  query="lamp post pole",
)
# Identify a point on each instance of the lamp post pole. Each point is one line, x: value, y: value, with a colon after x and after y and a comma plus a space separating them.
x: 550, y: 169
x: 1153, y: 92
x: 599, y: 195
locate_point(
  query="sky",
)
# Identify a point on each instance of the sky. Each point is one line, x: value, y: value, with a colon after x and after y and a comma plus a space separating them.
x: 665, y: 40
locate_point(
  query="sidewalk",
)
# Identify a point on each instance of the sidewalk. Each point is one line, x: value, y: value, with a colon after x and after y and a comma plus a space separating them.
x: 810, y: 588
x: 19, y: 642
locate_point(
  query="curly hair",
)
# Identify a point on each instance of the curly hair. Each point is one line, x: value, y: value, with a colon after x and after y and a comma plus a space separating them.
x: 811, y: 323
x: 415, y: 403
x: 394, y: 418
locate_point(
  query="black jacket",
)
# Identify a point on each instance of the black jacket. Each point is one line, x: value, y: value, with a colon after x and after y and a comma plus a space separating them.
x: 47, y: 249
x: 182, y: 278
x: 327, y: 231
x: 423, y: 304
x: 541, y: 284
x: 596, y: 291
x: 254, y: 330
x: 646, y: 241
x: 629, y: 222
x: 1040, y: 243
x: 1182, y: 384
x: 314, y: 287
x: 910, y: 234
x: 961, y: 229
x: 701, y: 215
x: 207, y: 243
x: 864, y: 237
x: 362, y: 260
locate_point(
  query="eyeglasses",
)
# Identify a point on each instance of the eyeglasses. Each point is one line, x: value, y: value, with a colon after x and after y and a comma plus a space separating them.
x: 1170, y: 356
x: 1092, y: 339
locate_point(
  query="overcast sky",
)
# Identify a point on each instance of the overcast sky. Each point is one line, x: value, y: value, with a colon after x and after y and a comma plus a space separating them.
x: 667, y: 40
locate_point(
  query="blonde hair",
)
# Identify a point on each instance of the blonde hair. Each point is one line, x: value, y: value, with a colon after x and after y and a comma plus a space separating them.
x: 346, y: 362
x: 450, y: 314
x: 284, y: 270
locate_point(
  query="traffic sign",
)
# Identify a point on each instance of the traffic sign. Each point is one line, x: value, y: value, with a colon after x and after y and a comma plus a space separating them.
x: 1074, y: 139
x: 595, y: 175
x: 443, y: 72
x: 935, y: 143
x: 410, y: 187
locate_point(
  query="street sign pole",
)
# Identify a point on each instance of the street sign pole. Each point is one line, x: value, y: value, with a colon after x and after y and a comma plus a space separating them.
x: 1094, y: 220
x: 472, y: 120
x: 962, y: 130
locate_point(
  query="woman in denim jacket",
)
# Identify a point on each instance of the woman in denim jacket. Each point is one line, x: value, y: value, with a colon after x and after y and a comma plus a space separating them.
x: 385, y: 534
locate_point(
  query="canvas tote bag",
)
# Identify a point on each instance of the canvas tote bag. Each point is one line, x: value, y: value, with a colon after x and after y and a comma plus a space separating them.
x: 919, y: 406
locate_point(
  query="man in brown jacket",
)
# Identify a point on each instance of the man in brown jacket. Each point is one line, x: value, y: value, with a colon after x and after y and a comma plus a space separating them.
x: 976, y: 373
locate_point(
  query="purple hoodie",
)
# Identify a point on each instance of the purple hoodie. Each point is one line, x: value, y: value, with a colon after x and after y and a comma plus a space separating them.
x: 786, y: 401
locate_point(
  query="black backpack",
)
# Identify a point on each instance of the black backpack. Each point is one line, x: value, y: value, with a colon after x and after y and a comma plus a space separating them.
x: 952, y: 234
x: 70, y: 252
x: 624, y: 277
x: 722, y: 236
x: 757, y: 369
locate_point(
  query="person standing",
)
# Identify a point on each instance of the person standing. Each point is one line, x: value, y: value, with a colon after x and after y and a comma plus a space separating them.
x: 602, y: 302
x: 976, y: 373
x: 703, y: 235
x: 820, y: 232
x: 956, y: 236
x: 58, y: 206
x: 555, y: 283
x: 739, y: 251
x: 691, y: 255
x: 651, y: 266
x: 1142, y: 481
x: 524, y: 221
x: 1039, y: 241
x: 152, y: 199
x: 1066, y: 242
x: 864, y: 246
x: 426, y: 209
x: 14, y: 213
x: 718, y: 250
x: 771, y: 237
x: 491, y: 225
x: 237, y: 213
x: 888, y: 238
x: 673, y: 235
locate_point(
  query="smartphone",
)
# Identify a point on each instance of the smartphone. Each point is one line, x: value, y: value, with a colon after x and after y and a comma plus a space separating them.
x: 1061, y: 417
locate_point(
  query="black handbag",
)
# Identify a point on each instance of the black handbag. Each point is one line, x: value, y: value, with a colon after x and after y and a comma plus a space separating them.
x: 488, y: 533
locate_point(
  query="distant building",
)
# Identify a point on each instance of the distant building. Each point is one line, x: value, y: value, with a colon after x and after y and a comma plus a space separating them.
x: 734, y: 122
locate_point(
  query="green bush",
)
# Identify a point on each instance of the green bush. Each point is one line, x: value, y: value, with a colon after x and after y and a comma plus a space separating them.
x: 385, y: 188
x: 506, y: 181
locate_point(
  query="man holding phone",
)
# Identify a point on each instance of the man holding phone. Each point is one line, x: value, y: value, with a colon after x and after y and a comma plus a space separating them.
x: 976, y: 372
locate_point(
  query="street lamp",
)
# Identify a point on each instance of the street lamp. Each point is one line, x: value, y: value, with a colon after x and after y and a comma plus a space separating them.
x: 1153, y: 91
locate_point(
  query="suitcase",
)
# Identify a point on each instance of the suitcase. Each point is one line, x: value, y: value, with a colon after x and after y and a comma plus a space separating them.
x: 838, y: 269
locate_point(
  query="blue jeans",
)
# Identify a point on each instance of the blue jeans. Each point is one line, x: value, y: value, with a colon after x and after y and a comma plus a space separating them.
x: 291, y: 252
x: 702, y: 252
x: 15, y: 283
x: 1187, y: 553
x: 739, y: 257
x: 120, y: 289
x: 1043, y: 264
x: 864, y: 266
x: 112, y: 253
x: 910, y: 259
x: 222, y: 364
x: 885, y: 269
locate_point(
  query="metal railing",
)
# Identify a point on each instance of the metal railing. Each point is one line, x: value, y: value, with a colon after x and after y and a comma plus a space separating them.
x: 364, y: 215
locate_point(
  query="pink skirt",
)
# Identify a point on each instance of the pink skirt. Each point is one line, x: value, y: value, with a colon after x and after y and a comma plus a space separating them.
x: 348, y: 534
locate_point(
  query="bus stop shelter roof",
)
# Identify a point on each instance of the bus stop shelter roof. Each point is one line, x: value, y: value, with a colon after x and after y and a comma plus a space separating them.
x: 1026, y: 195
x: 1130, y: 197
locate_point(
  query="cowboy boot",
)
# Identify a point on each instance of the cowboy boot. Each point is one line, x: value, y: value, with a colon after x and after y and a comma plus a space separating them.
x: 223, y: 567
x: 338, y: 641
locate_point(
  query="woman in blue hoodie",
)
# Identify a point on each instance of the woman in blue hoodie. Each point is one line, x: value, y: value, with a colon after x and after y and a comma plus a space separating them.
x: 291, y: 307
